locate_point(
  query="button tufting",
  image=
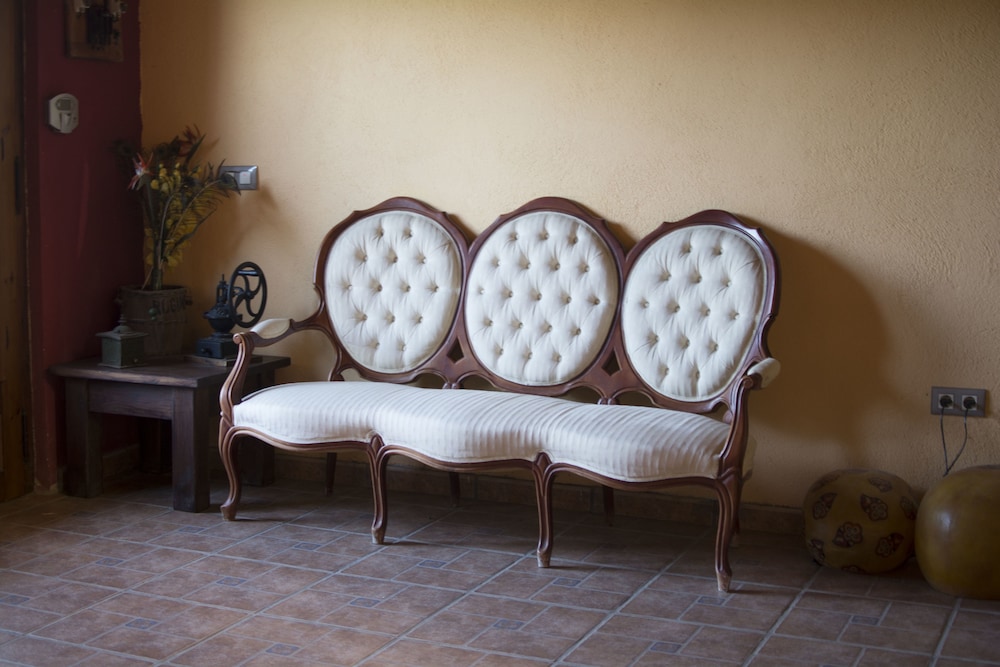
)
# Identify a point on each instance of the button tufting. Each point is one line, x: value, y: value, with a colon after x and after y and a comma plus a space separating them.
x: 665, y: 276
x: 407, y: 233
x: 546, y: 328
x: 406, y: 287
x: 487, y: 322
x: 557, y: 357
x: 644, y: 304
x: 544, y: 236
x: 584, y: 268
x: 577, y: 331
x: 513, y: 236
x: 573, y: 239
x: 567, y: 298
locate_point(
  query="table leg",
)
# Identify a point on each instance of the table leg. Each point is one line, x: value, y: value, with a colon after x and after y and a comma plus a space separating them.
x: 189, y: 449
x: 256, y: 458
x: 83, y: 442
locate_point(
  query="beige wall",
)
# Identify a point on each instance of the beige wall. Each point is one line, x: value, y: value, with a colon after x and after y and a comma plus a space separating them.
x: 863, y: 136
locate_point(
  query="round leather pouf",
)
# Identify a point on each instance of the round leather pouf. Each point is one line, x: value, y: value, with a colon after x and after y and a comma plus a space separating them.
x: 860, y: 520
x: 958, y: 533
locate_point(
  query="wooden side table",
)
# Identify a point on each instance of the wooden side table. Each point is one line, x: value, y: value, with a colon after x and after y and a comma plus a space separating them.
x: 185, y: 393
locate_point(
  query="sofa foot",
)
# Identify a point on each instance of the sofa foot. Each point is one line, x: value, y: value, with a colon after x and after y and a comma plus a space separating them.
x: 543, y: 559
x: 228, y: 511
x: 724, y: 579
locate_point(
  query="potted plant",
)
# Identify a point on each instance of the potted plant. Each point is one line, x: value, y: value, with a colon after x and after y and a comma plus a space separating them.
x: 177, y: 194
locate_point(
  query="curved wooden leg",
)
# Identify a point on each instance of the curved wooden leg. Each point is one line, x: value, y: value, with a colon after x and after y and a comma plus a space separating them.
x: 229, y: 453
x: 543, y: 498
x: 728, y: 491
x: 378, y: 464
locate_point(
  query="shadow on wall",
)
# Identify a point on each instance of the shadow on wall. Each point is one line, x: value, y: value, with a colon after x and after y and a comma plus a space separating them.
x: 831, y: 341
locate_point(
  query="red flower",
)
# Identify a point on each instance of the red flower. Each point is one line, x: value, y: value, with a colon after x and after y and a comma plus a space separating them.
x: 141, y: 165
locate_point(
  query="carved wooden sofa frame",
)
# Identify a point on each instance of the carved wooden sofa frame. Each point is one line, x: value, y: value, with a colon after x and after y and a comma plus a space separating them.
x: 544, y: 303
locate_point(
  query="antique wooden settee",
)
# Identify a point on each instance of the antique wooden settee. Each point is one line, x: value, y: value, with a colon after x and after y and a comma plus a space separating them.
x: 666, y: 341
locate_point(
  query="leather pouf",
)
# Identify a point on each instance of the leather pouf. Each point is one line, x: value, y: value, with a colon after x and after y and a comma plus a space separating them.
x: 958, y: 533
x: 860, y: 520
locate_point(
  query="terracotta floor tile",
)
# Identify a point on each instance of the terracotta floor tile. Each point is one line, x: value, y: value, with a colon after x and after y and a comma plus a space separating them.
x: 420, y: 653
x: 722, y: 644
x: 42, y: 652
x: 140, y: 642
x: 342, y: 646
x: 609, y: 651
x: 451, y: 628
x: 503, y: 638
x: 810, y: 651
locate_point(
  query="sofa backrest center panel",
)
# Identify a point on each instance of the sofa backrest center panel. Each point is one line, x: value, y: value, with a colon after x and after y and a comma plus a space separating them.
x: 543, y: 305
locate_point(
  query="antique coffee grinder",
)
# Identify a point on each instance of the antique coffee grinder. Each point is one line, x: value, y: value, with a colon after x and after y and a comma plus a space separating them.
x: 240, y: 302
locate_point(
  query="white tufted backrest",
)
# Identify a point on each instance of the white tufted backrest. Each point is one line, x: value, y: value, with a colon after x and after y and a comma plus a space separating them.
x: 542, y: 294
x: 692, y: 303
x: 392, y: 284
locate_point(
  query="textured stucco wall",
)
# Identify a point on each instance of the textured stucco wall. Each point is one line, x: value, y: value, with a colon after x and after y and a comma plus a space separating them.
x: 864, y: 137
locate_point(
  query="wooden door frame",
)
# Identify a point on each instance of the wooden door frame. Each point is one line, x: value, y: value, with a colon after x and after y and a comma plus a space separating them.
x: 15, y: 379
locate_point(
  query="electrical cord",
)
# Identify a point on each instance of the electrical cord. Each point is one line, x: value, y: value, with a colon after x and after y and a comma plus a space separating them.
x: 966, y: 406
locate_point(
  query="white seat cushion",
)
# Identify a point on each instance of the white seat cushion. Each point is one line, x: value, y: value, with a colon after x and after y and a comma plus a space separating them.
x: 626, y: 443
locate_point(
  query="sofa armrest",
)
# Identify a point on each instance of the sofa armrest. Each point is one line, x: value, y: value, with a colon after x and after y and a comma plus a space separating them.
x: 272, y: 330
x: 765, y: 370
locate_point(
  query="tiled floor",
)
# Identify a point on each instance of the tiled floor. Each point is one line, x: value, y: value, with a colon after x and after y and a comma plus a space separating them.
x: 124, y: 580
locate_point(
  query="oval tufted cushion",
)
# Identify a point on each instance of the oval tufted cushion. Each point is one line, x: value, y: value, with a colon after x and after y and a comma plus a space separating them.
x: 392, y: 285
x: 541, y: 296
x: 691, y: 305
